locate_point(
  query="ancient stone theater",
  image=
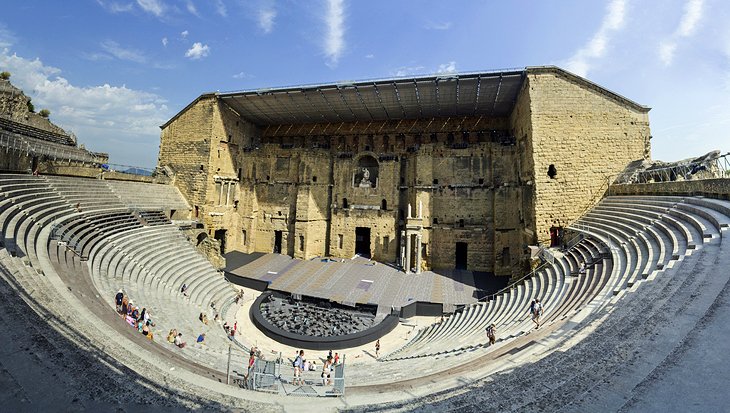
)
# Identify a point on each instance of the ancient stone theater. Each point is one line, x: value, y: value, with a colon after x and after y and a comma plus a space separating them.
x: 461, y: 171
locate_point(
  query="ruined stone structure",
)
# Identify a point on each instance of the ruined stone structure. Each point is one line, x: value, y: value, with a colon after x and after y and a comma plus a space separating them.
x: 458, y: 171
x: 31, y: 141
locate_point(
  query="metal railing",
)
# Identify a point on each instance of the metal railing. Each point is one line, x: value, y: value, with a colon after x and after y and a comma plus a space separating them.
x: 696, y: 170
x: 55, y: 151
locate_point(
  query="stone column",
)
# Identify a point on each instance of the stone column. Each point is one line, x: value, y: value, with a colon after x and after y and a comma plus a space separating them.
x: 228, y: 194
x: 407, y: 264
x: 418, y: 253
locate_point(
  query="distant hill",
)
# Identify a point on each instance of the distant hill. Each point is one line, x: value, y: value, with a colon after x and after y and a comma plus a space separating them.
x: 137, y: 171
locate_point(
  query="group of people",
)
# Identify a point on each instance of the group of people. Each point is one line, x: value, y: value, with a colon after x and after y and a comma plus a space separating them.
x: 301, y: 365
x: 139, y: 319
x: 536, y: 311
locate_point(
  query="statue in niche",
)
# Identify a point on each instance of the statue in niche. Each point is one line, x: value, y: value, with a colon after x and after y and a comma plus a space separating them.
x: 365, y: 182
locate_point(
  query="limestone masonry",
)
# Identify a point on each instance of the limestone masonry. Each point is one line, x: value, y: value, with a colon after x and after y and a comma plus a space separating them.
x: 458, y: 171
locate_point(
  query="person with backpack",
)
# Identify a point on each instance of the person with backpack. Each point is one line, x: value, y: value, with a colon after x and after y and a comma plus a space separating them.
x: 298, y: 363
x: 536, y: 310
x: 492, y: 334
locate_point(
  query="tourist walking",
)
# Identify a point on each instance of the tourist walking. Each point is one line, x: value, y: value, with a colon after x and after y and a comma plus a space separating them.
x: 536, y: 310
x: 298, y: 364
x: 492, y: 334
x: 377, y: 349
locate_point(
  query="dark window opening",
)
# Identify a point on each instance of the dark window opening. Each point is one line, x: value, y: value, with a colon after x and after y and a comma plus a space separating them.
x: 435, y: 181
x: 384, y: 205
x: 201, y: 168
x: 481, y: 181
x: 552, y: 172
x: 244, y: 237
x: 461, y: 223
x: 435, y: 220
x: 301, y: 243
x: 239, y: 173
x: 345, y: 204
x: 367, y: 147
x: 197, y: 211
x: 386, y: 242
x: 314, y: 178
x: 505, y: 257
x: 268, y: 177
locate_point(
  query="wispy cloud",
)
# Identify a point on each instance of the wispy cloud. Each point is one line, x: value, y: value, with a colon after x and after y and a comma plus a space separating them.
x: 190, y: 6
x: 266, y: 18
x: 165, y: 41
x: 687, y: 27
x: 114, y: 7
x: 334, y: 41
x: 197, y: 51
x: 581, y: 62
x: 7, y: 38
x: 408, y: 70
x: 369, y: 56
x: 114, y: 49
x: 438, y: 26
x: 95, y: 114
x: 220, y: 8
x: 242, y: 75
x: 446, y: 68
x: 156, y: 7
x: 184, y: 34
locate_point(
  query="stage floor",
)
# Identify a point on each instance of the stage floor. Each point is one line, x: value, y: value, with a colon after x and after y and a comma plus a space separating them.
x: 355, y: 281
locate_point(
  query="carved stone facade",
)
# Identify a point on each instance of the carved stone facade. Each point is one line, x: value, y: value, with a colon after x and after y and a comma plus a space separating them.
x: 426, y: 193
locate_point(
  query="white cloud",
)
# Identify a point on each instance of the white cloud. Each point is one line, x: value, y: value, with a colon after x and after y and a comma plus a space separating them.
x: 197, y: 51
x: 334, y: 41
x: 184, y: 34
x: 155, y: 7
x: 687, y: 27
x: 266, y: 18
x: 220, y: 8
x: 104, y: 117
x: 438, y: 26
x: 165, y: 41
x: 581, y: 62
x: 446, y: 68
x: 242, y: 75
x: 407, y: 71
x: 191, y: 8
x: 121, y: 53
x: 370, y: 56
x: 7, y: 38
x: 114, y: 7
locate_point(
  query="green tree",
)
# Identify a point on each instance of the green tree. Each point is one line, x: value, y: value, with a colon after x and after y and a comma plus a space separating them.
x: 45, y: 113
x: 4, y: 75
x: 31, y: 108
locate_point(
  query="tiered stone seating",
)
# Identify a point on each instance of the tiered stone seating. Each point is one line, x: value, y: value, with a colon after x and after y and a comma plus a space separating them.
x: 146, y: 196
x: 642, y: 235
x: 86, y: 216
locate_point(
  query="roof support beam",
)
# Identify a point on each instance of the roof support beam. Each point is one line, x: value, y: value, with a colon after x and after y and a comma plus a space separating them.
x: 255, y: 106
x: 329, y: 105
x: 397, y: 96
x: 296, y: 105
x: 496, y: 96
x: 418, y: 99
x: 380, y: 99
x: 362, y: 102
x: 344, y: 102
x: 476, y: 97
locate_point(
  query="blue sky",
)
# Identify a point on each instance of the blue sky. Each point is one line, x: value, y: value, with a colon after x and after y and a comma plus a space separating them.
x: 112, y: 71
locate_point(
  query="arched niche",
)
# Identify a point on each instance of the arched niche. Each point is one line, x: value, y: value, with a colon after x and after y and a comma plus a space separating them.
x: 366, y: 172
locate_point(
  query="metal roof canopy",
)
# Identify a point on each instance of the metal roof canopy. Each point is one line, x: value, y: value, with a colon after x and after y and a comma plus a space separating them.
x: 457, y: 95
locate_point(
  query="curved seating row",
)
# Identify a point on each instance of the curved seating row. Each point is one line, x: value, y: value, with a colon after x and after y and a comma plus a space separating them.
x: 87, y: 218
x: 627, y: 240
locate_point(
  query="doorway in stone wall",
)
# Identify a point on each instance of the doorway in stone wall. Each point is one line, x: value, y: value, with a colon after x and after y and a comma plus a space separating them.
x: 362, y: 241
x: 461, y: 255
x: 556, y: 237
x: 277, y: 242
x: 220, y: 235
